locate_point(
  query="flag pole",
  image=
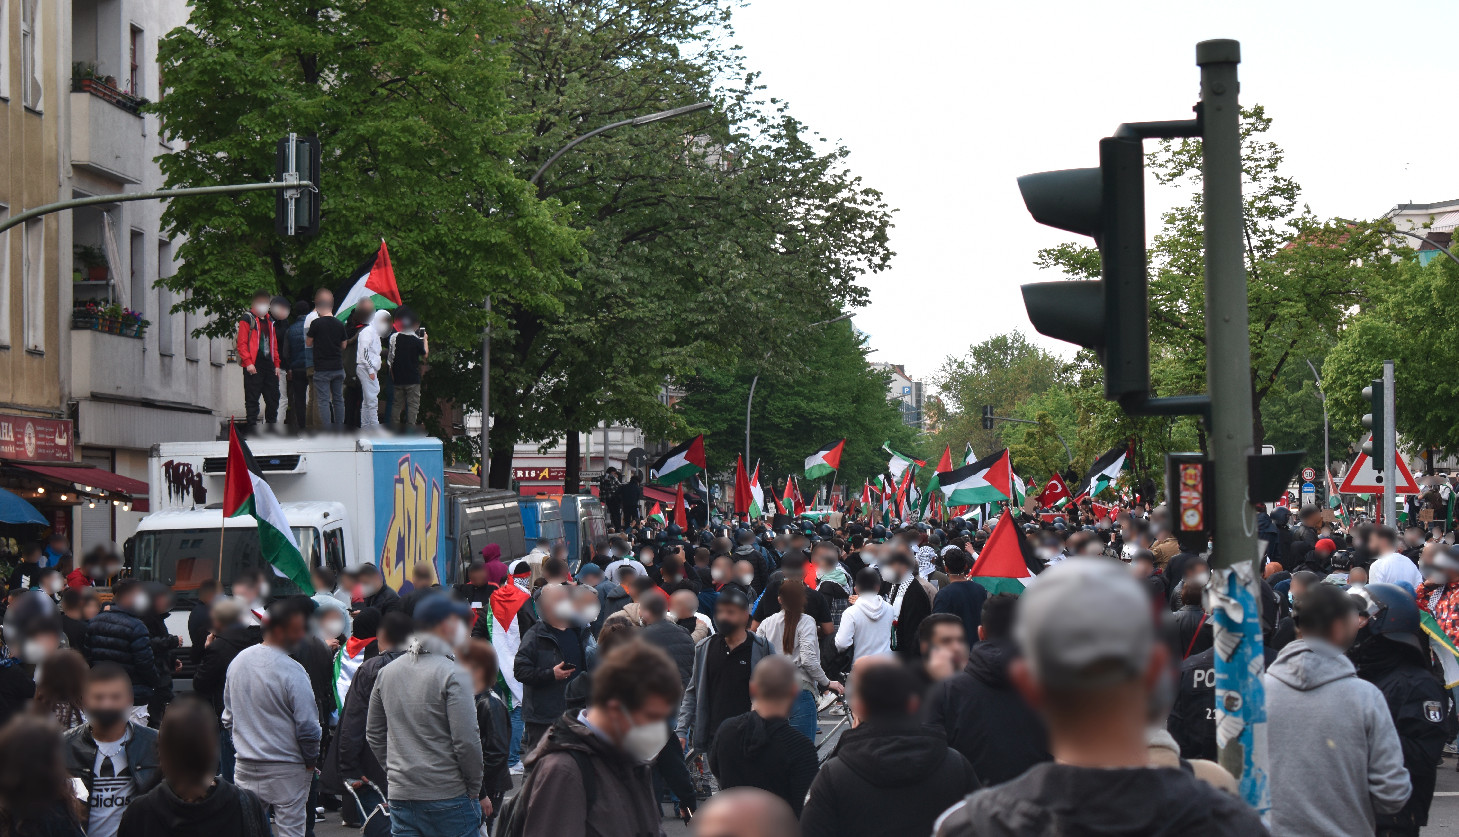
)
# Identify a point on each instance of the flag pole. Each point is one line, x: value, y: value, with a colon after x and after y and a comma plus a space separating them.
x: 832, y: 490
x: 222, y: 518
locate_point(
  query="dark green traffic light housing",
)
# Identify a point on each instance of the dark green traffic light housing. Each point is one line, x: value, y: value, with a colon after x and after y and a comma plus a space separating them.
x: 1373, y: 421
x: 1111, y: 315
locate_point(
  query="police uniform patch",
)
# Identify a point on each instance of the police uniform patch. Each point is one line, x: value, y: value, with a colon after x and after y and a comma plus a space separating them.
x: 1433, y: 711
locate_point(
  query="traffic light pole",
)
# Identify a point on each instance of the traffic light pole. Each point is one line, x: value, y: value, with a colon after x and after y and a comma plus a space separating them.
x: 1390, y: 449
x: 1240, y: 699
x: 156, y: 195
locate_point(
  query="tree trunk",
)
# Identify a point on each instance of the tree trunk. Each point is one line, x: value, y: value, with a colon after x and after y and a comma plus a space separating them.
x: 501, y: 458
x: 574, y: 456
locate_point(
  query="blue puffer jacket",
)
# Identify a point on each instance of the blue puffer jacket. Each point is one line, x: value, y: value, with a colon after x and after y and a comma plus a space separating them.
x: 116, y: 636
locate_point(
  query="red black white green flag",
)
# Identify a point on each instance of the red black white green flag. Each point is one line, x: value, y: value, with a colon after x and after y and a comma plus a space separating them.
x: 374, y: 280
x: 245, y: 492
x: 824, y: 461
x: 680, y: 463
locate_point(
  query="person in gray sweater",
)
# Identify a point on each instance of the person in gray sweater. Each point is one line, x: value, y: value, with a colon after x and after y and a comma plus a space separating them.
x: 431, y: 745
x: 268, y: 706
x: 1336, y: 761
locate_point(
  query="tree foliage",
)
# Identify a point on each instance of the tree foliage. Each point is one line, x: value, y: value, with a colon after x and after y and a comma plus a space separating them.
x: 1004, y: 371
x: 836, y: 394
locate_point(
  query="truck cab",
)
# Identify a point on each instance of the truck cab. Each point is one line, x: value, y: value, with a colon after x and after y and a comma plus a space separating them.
x: 583, y: 522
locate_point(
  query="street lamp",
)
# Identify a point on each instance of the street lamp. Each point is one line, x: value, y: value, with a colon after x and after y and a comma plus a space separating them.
x: 1437, y: 246
x: 1322, y: 396
x: 486, y: 329
x: 751, y: 400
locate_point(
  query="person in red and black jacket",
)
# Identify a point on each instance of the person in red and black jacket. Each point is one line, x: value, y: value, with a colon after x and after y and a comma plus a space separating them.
x: 258, y: 353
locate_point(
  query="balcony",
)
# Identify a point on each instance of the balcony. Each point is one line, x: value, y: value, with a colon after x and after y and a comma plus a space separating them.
x: 107, y: 131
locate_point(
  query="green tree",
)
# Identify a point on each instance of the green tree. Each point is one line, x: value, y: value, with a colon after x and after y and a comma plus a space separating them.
x: 711, y: 240
x: 836, y: 394
x: 1004, y: 371
x: 410, y: 105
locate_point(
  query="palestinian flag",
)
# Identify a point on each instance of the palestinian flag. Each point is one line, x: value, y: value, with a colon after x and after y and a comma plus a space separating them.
x: 900, y: 461
x: 1004, y: 564
x: 656, y: 514
x: 866, y: 498
x: 986, y: 481
x: 346, y: 662
x: 743, y: 497
x: 1020, y: 491
x: 757, y: 495
x: 1106, y: 470
x: 679, y: 464
x: 505, y: 629
x: 779, y: 507
x: 824, y: 461
x: 681, y: 514
x: 793, y: 496
x: 1055, y: 494
x: 1334, y: 501
x: 934, y: 485
x: 374, y: 280
x: 888, y: 494
x: 1443, y: 647
x: 968, y: 456
x: 245, y: 492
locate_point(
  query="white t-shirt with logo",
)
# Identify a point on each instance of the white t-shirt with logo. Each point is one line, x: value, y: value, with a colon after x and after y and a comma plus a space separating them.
x: 112, y: 787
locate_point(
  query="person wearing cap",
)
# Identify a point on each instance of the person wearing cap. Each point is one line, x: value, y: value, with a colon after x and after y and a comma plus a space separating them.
x: 1391, y: 566
x: 269, y: 708
x: 719, y: 683
x: 376, y: 593
x: 1324, y: 721
x: 1092, y: 666
x: 1390, y: 653
x: 422, y: 727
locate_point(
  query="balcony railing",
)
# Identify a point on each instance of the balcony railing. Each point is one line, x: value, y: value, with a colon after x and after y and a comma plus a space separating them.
x: 108, y: 93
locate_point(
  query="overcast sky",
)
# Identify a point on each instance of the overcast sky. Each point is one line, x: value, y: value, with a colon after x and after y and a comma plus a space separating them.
x: 943, y: 103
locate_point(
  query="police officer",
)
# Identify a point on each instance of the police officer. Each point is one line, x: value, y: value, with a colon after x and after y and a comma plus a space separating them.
x: 1192, y: 720
x: 1391, y: 653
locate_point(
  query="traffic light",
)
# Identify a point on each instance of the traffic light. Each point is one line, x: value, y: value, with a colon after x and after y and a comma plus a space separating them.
x: 1374, y: 421
x: 1110, y: 315
x: 297, y: 159
x: 987, y: 416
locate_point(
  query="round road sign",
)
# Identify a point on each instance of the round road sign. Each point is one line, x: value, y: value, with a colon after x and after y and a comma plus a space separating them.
x: 1309, y: 474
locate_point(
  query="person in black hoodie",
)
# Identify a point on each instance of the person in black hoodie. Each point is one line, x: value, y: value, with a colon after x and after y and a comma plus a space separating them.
x: 494, y: 722
x: 377, y: 593
x: 163, y: 644
x: 984, y: 718
x: 229, y: 637
x: 759, y: 749
x: 190, y: 800
x: 354, y: 762
x: 904, y: 592
x: 889, y: 774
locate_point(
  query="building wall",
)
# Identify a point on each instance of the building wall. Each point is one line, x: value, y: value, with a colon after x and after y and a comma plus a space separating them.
x: 31, y: 339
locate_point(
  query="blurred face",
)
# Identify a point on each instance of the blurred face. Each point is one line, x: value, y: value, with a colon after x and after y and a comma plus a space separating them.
x: 720, y: 569
x: 90, y: 606
x: 1358, y: 575
x: 324, y: 301
x: 744, y: 572
x: 949, y: 638
x: 729, y: 619
x: 107, y: 703
x: 290, y: 632
x: 683, y: 604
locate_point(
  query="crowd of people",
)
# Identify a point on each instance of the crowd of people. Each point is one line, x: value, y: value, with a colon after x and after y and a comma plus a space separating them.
x: 329, y: 374
x: 692, y: 675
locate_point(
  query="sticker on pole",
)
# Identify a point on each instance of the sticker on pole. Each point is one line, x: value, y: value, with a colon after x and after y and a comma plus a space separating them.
x: 1363, y: 479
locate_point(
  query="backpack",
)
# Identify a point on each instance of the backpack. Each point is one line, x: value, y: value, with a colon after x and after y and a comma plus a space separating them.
x: 514, y: 814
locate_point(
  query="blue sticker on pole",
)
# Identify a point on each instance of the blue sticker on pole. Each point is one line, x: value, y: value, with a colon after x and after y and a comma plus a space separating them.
x: 1240, y: 695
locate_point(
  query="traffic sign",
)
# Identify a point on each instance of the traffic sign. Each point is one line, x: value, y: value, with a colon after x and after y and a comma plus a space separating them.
x: 1309, y: 493
x: 1362, y: 478
x: 1309, y: 474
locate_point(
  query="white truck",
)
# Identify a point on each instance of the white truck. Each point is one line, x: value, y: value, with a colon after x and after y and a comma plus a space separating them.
x: 349, y: 501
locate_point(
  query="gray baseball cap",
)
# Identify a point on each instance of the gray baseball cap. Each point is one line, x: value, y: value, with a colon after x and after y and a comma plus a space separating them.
x: 1085, y: 623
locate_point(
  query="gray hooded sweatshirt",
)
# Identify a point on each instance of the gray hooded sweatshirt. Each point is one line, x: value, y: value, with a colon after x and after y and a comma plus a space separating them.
x: 1334, y: 753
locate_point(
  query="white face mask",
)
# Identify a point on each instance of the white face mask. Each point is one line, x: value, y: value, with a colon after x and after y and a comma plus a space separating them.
x: 263, y: 591
x: 643, y: 742
x: 54, y: 585
x: 260, y: 310
x: 331, y: 629
x: 716, y: 575
x: 1201, y: 579
x: 888, y: 573
x: 34, y: 651
x: 139, y: 603
x: 590, y: 613
x: 747, y: 579
x: 564, y: 610
x: 461, y: 636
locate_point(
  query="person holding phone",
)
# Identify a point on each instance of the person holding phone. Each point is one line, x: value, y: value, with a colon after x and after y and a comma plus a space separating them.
x: 552, y: 653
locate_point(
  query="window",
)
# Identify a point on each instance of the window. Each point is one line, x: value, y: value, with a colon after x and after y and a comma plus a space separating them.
x: 5, y: 269
x: 165, y: 317
x: 134, y: 55
x: 139, y: 295
x: 33, y: 298
x: 4, y: 49
x: 334, y: 549
x: 192, y: 344
x: 31, y: 59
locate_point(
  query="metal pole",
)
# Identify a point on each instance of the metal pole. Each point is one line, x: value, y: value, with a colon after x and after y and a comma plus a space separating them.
x: 156, y: 194
x: 1240, y: 701
x: 748, y: 402
x: 486, y: 396
x: 1326, y: 450
x: 1390, y: 449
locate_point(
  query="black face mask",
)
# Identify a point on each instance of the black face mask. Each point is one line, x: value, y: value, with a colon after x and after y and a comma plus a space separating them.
x: 106, y: 717
x: 726, y: 627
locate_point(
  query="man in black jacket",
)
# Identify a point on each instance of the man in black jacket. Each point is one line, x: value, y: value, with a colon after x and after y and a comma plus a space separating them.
x: 985, y: 719
x: 759, y: 749
x: 1091, y: 663
x: 890, y: 774
x: 377, y: 593
x: 552, y: 652
x: 354, y: 762
x: 118, y: 635
x: 108, y: 733
x: 230, y: 635
x: 903, y: 591
x: 661, y: 631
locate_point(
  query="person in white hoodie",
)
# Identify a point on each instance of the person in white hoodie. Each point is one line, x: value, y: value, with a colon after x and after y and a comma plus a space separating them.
x: 866, y: 625
x: 367, y: 366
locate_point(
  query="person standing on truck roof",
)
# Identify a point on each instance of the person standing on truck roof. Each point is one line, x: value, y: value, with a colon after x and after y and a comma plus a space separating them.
x: 325, y: 336
x: 299, y: 367
x: 258, y: 353
x: 367, y: 367
x: 377, y: 593
x: 609, y: 488
x: 630, y: 495
x: 405, y: 352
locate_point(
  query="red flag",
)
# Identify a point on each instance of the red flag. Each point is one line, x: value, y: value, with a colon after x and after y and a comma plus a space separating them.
x: 865, y: 497
x: 1055, y: 491
x: 237, y: 482
x: 779, y: 507
x: 945, y: 464
x: 681, y: 519
x: 742, y: 487
x: 799, y: 500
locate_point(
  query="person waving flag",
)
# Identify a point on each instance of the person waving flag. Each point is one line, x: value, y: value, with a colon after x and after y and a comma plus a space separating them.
x: 245, y: 492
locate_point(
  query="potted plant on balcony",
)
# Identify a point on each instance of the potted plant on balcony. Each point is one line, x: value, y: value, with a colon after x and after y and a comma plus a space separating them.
x: 133, y: 324
x: 83, y: 75
x: 93, y: 260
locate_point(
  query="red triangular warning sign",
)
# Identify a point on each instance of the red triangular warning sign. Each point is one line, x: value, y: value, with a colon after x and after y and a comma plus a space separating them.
x: 1362, y: 478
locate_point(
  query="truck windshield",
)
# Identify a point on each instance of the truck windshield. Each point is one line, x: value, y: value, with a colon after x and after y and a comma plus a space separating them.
x: 183, y: 559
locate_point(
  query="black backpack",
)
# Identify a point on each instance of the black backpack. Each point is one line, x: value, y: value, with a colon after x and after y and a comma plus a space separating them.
x: 514, y: 814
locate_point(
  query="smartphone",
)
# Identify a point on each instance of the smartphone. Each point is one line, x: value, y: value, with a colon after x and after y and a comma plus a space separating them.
x: 569, y: 666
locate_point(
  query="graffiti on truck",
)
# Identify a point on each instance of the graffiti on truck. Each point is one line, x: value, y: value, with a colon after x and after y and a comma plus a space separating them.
x: 413, y: 535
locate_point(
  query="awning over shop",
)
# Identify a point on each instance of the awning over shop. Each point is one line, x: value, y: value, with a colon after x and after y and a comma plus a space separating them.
x: 660, y: 495
x: 89, y: 480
